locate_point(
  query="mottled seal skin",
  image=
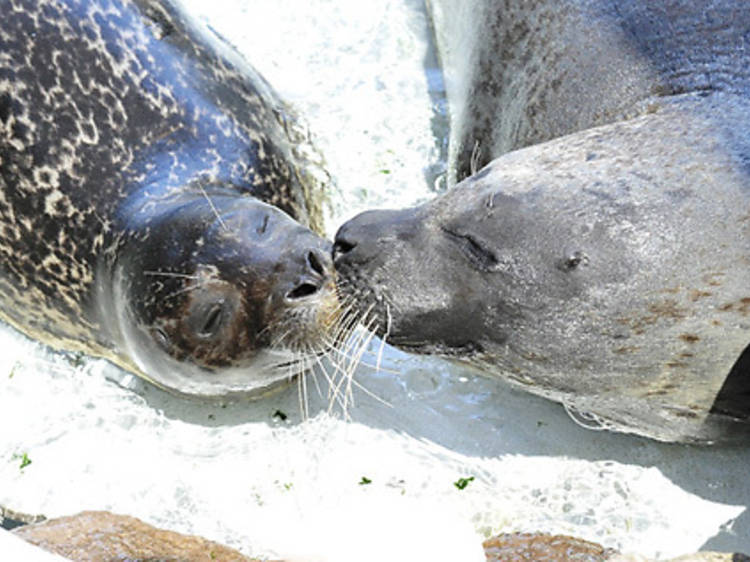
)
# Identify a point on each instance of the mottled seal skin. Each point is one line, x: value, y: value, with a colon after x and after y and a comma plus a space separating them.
x: 605, y: 268
x: 521, y: 73
x: 149, y: 184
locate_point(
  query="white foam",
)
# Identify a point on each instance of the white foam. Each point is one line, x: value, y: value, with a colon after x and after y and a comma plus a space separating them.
x: 354, y: 69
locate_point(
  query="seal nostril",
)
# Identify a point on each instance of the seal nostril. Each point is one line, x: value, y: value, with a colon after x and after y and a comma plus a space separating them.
x: 302, y: 290
x: 341, y: 247
x: 314, y: 262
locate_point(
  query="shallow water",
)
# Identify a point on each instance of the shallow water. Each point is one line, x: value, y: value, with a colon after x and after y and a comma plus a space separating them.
x: 254, y: 476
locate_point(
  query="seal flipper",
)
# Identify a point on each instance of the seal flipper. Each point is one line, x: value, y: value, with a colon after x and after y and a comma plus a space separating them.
x: 734, y: 397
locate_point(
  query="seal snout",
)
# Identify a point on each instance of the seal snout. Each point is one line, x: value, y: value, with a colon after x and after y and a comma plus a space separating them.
x: 349, y: 236
x: 361, y: 239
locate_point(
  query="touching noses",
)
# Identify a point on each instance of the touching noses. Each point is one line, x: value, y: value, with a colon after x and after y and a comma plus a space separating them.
x: 359, y: 240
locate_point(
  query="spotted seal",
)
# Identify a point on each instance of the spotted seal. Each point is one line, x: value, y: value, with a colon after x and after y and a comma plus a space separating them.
x: 602, y: 257
x: 156, y: 200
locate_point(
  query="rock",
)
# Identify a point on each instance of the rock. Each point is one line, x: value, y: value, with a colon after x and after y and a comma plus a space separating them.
x: 523, y: 547
x: 697, y: 557
x: 539, y: 547
x: 10, y: 519
x: 100, y: 535
x: 95, y: 536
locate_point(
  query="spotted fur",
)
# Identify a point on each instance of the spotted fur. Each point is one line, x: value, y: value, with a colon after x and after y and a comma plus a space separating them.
x: 109, y: 108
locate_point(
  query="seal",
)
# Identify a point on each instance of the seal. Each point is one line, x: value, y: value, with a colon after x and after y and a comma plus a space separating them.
x: 602, y: 258
x: 156, y: 200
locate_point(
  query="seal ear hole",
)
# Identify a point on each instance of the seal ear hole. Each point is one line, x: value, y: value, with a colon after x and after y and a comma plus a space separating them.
x: 574, y: 260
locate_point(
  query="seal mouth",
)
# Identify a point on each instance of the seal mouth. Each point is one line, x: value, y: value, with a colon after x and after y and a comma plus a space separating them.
x: 309, y: 321
x: 371, y: 310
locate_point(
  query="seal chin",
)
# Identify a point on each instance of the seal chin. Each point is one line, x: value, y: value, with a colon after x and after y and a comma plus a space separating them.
x: 245, y: 302
x: 256, y: 376
x: 199, y: 355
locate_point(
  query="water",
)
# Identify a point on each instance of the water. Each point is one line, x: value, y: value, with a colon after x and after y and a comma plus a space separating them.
x: 256, y: 476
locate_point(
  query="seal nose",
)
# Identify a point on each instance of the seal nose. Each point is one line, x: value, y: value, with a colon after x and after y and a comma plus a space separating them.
x: 317, y: 265
x: 342, y: 246
x: 349, y: 246
x: 360, y: 239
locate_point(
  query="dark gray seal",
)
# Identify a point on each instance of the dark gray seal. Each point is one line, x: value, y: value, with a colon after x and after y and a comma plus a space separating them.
x: 149, y: 182
x: 606, y: 268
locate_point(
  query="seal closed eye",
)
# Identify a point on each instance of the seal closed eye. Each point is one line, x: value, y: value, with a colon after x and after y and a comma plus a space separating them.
x: 210, y: 321
x: 478, y: 255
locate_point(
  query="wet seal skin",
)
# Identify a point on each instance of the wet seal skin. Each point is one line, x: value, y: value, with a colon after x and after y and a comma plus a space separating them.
x: 601, y: 257
x: 157, y: 203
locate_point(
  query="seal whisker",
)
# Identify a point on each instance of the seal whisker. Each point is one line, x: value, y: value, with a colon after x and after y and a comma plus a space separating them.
x: 345, y: 320
x: 213, y: 208
x: 279, y: 338
x: 371, y: 394
x: 358, y: 344
x: 350, y: 323
x: 356, y: 360
x: 317, y: 359
x: 362, y: 322
x: 335, y: 397
x: 296, y: 360
x: 302, y: 396
x: 387, y: 333
x: 586, y: 420
x: 171, y: 274
x: 351, y: 368
x: 313, y: 357
x: 336, y: 354
x: 345, y: 351
x: 336, y: 385
x: 476, y: 153
x: 186, y: 289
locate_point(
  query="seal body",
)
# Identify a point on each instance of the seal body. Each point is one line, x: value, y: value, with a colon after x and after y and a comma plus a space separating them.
x: 149, y: 184
x: 605, y: 268
x: 521, y: 73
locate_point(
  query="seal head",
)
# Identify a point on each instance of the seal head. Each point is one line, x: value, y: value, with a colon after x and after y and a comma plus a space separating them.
x: 600, y: 258
x: 587, y: 270
x: 219, y: 303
